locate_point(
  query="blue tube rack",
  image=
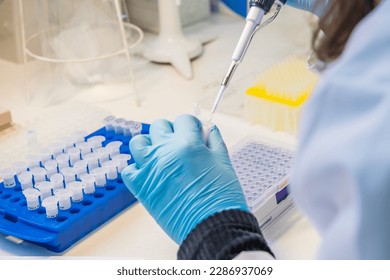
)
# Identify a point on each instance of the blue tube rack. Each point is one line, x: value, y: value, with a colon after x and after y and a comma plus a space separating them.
x: 70, y: 226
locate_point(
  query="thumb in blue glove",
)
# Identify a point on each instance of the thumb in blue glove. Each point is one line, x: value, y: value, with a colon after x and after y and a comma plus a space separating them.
x: 179, y: 179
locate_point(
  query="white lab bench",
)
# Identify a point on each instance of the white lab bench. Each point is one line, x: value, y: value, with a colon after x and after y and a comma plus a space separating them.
x: 165, y: 94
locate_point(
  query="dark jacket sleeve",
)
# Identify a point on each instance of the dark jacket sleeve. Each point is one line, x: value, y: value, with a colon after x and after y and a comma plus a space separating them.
x: 223, y: 236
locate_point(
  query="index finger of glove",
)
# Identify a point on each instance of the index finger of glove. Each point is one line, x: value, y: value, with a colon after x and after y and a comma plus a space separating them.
x: 160, y: 130
x: 189, y: 127
x: 140, y: 147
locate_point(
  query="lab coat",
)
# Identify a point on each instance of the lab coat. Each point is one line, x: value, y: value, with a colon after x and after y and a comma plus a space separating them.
x: 341, y: 173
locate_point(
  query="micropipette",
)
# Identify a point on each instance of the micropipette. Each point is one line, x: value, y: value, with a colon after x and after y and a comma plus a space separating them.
x: 258, y: 8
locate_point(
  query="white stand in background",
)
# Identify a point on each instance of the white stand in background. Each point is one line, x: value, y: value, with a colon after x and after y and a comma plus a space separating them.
x: 172, y: 46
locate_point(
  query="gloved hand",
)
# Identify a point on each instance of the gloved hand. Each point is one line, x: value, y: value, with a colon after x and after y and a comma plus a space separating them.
x: 314, y: 6
x: 179, y: 179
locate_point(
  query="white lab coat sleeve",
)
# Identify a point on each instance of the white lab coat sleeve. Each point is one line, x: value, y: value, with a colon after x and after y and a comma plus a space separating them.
x: 254, y: 255
x: 341, y: 173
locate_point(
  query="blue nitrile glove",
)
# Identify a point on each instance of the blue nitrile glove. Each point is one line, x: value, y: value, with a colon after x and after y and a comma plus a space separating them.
x: 179, y: 179
x: 309, y: 5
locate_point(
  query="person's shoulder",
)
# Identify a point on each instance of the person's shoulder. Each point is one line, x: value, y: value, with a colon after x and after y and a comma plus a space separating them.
x: 366, y: 56
x: 371, y: 36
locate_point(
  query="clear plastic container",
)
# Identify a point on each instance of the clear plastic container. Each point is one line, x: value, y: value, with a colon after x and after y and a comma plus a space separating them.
x: 262, y: 166
x: 74, y: 44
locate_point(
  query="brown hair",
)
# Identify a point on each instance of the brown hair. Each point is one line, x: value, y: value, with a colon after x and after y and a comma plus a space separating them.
x: 337, y: 23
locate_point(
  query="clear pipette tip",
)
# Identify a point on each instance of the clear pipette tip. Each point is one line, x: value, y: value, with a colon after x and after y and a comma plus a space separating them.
x: 224, y: 84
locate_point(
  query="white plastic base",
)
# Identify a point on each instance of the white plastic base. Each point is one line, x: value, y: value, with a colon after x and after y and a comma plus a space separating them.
x: 176, y: 51
x: 172, y: 46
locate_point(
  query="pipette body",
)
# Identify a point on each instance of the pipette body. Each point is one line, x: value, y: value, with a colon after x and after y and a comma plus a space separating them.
x: 258, y: 8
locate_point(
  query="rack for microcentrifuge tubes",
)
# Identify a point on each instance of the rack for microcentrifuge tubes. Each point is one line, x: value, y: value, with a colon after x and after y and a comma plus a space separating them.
x: 57, y: 197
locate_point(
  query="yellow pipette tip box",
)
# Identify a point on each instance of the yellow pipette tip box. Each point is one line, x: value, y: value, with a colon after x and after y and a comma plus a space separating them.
x: 275, y: 100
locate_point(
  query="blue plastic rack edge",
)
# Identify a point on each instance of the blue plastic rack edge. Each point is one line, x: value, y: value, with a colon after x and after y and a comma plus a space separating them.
x: 70, y: 226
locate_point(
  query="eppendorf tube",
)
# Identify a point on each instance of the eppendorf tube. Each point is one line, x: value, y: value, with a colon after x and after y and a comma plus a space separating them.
x: 109, y: 123
x: 26, y: 180
x: 57, y: 180
x: 39, y: 174
x: 207, y: 124
x: 45, y: 154
x: 114, y: 148
x: 207, y: 127
x: 67, y: 142
x: 34, y: 161
x: 117, y: 123
x: 93, y: 161
x: 51, y: 206
x: 78, y: 137
x: 126, y: 128
x: 20, y: 166
x: 96, y: 141
x: 51, y: 167
x: 77, y: 190
x: 122, y: 161
x: 135, y: 128
x: 56, y: 149
x: 74, y: 155
x: 111, y: 170
x: 100, y: 177
x: 88, y: 183
x: 45, y: 188
x: 81, y: 168
x: 85, y: 148
x: 8, y: 177
x: 103, y: 155
x: 69, y: 174
x: 32, y: 198
x: 63, y: 196
x: 62, y: 160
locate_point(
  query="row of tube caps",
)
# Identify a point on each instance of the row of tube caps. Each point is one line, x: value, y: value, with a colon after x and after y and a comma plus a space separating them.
x: 122, y: 126
x: 66, y: 173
